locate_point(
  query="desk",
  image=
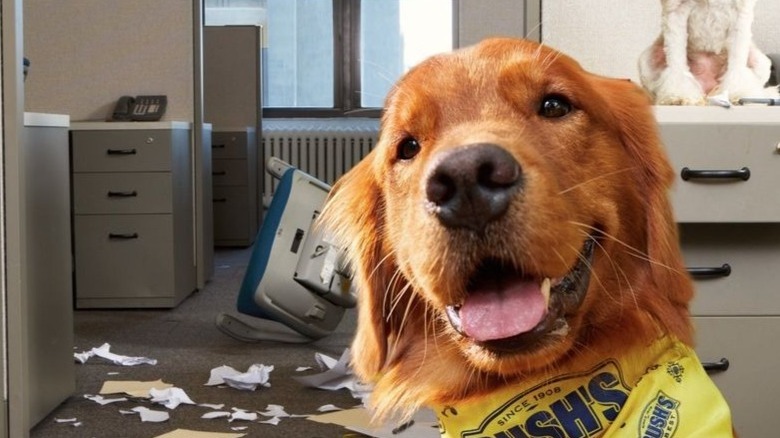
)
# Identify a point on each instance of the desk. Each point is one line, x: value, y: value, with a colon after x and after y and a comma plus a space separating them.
x: 734, y: 222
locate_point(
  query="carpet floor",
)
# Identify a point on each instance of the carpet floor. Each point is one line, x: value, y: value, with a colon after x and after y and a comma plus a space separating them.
x: 187, y: 345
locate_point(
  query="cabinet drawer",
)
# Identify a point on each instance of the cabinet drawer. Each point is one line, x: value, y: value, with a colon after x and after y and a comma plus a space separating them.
x: 121, y: 151
x: 106, y: 193
x: 750, y: 385
x: 729, y: 147
x: 229, y: 144
x: 232, y: 216
x: 124, y: 256
x: 753, y: 253
x: 230, y: 172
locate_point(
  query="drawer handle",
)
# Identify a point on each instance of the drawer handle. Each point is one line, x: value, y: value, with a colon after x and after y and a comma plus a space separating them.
x: 219, y: 173
x: 716, y: 367
x: 121, y: 151
x: 122, y: 236
x: 688, y: 174
x: 220, y: 200
x: 715, y: 271
x: 128, y: 194
x: 218, y: 146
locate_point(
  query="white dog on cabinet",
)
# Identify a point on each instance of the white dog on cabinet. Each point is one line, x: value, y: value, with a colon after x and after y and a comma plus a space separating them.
x: 705, y: 49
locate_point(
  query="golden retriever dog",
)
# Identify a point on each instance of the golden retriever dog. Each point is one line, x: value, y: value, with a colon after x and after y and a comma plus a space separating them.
x: 705, y: 49
x: 517, y: 262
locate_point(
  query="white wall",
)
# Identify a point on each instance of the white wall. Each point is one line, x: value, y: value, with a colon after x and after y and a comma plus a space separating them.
x: 87, y: 53
x: 607, y: 36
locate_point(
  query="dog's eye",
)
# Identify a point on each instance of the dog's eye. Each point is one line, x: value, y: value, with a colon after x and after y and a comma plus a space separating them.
x: 554, y: 106
x: 408, y: 149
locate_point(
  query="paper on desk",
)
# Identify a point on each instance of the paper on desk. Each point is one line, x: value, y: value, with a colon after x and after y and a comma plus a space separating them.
x: 256, y: 375
x: 170, y: 397
x: 103, y: 351
x: 132, y: 388
x: 422, y: 425
x: 338, y: 375
x: 184, y: 433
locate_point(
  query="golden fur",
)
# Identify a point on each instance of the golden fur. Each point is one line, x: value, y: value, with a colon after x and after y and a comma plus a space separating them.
x: 597, y: 171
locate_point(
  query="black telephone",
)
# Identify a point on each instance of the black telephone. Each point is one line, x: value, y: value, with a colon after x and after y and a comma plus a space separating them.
x: 140, y: 108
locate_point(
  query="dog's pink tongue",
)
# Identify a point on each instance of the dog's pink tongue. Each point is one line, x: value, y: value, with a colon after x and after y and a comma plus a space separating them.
x: 495, y: 312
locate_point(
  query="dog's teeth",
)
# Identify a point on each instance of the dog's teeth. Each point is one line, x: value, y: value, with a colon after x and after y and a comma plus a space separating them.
x: 546, y: 290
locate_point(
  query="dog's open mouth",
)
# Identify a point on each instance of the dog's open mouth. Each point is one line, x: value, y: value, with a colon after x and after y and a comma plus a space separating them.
x: 506, y: 310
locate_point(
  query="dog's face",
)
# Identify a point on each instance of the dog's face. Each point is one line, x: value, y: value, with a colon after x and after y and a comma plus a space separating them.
x: 512, y: 216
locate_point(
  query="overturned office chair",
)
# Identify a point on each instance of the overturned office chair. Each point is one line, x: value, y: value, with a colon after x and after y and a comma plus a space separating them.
x: 296, y: 279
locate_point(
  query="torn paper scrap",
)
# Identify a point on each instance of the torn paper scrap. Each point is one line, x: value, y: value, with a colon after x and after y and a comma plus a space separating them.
x: 148, y: 415
x: 103, y: 351
x: 299, y: 369
x: 240, y: 414
x: 66, y: 420
x: 274, y: 411
x: 326, y: 362
x: 273, y: 421
x: 256, y: 375
x: 216, y: 407
x: 422, y: 425
x: 338, y: 375
x: 329, y: 408
x: 132, y: 388
x: 99, y: 399
x: 215, y: 414
x: 170, y: 397
x: 239, y: 428
x: 185, y: 433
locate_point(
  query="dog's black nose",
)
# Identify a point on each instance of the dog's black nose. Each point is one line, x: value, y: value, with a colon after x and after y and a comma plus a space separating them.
x: 473, y: 185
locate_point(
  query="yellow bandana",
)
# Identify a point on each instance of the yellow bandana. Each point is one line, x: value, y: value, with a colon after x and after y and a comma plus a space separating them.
x: 661, y: 391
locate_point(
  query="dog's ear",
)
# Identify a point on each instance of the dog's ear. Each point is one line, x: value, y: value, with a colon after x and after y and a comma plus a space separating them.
x: 630, y: 107
x: 353, y: 213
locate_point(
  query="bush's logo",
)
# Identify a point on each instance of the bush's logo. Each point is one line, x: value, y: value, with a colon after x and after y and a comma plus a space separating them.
x: 660, y: 417
x: 580, y: 405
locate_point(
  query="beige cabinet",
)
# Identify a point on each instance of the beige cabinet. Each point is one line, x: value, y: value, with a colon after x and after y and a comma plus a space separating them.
x: 725, y: 199
x: 133, y: 214
x: 234, y: 175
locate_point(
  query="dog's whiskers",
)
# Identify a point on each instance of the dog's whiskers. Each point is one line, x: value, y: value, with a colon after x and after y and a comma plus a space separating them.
x: 597, y: 178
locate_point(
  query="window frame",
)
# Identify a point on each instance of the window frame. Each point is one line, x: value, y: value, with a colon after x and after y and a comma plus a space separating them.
x: 346, y: 67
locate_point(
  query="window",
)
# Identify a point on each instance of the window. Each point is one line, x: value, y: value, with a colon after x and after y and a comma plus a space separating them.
x: 340, y: 57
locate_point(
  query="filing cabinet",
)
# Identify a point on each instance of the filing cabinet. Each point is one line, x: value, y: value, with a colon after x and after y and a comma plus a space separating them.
x: 725, y: 199
x: 234, y: 175
x: 133, y: 216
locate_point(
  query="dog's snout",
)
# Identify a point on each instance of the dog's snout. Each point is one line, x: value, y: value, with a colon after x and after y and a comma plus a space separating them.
x: 473, y: 185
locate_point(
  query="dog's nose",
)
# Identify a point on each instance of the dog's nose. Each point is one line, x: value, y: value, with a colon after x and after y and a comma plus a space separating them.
x: 473, y: 185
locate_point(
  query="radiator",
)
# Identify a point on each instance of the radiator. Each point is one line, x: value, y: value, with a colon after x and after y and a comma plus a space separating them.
x: 325, y: 149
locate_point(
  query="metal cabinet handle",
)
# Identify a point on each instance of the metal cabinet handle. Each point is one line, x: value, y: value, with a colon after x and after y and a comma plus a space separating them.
x: 123, y: 236
x: 217, y: 146
x: 121, y: 151
x: 219, y: 200
x: 126, y: 194
x: 688, y: 174
x: 219, y: 173
x: 716, y: 367
x: 709, y: 272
